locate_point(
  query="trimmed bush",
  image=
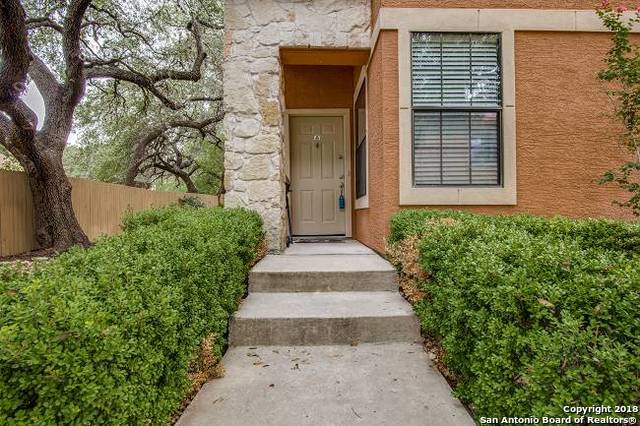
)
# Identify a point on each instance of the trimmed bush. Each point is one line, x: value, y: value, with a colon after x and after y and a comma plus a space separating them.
x: 533, y: 314
x: 105, y: 335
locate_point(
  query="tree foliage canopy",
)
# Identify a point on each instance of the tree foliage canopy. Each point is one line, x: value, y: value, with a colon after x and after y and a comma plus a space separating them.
x: 132, y: 52
x: 145, y: 68
x: 116, y: 117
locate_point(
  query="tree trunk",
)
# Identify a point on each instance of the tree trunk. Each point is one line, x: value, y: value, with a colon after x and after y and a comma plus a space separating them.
x: 55, y: 221
x: 221, y: 190
x: 191, y: 187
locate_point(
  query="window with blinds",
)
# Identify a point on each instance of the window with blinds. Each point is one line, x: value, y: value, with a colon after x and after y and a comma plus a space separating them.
x: 361, y: 142
x: 456, y: 102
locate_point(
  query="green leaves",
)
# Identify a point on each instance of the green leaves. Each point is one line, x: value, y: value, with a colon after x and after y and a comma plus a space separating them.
x: 623, y: 70
x: 533, y: 313
x: 105, y: 335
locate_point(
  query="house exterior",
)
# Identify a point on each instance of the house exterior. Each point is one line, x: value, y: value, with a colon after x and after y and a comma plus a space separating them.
x: 365, y: 107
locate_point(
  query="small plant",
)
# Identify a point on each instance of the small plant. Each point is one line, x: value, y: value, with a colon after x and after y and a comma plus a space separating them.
x: 623, y: 71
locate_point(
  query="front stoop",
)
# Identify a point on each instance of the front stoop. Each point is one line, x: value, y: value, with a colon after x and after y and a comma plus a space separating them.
x: 324, y: 319
x: 323, y: 272
x: 324, y: 338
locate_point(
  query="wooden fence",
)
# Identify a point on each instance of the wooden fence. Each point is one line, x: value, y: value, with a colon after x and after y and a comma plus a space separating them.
x: 99, y: 208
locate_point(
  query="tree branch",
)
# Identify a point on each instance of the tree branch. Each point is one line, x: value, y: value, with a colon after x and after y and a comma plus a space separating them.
x: 180, y: 174
x: 134, y: 77
x: 16, y: 57
x: 154, y: 133
x: 44, y: 22
x: 14, y: 140
x: 205, y: 99
x: 148, y: 82
x: 45, y: 80
x: 14, y: 45
x: 7, y: 130
x: 75, y: 83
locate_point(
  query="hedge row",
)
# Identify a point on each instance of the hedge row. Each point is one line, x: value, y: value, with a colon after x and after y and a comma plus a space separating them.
x: 534, y: 314
x: 105, y: 335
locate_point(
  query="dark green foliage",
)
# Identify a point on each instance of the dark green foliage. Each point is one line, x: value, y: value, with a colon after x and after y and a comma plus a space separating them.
x: 623, y: 71
x: 534, y: 314
x: 191, y: 201
x: 105, y: 335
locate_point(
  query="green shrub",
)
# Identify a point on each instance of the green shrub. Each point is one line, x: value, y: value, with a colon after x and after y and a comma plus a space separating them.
x: 191, y: 201
x: 534, y: 314
x: 105, y: 335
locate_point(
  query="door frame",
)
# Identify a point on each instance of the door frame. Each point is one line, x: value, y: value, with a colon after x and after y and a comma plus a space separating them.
x: 345, y: 113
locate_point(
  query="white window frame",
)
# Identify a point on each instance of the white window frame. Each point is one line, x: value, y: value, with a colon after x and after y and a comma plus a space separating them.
x: 504, y: 194
x: 503, y: 21
x: 362, y: 202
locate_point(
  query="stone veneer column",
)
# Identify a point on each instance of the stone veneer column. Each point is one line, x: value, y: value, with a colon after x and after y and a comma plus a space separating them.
x: 253, y: 91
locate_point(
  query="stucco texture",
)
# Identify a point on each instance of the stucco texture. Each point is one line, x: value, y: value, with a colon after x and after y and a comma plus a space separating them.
x: 315, y: 86
x: 371, y: 225
x: 566, y: 136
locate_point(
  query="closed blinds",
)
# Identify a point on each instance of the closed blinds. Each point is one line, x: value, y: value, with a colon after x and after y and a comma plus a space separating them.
x: 456, y: 109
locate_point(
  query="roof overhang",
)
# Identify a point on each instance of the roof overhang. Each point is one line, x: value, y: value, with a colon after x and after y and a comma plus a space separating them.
x: 323, y: 56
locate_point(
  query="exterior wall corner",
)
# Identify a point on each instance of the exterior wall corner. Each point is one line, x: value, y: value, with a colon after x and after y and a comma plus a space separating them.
x: 253, y: 92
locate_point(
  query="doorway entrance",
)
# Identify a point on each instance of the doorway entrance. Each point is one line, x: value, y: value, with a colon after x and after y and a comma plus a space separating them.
x: 319, y: 166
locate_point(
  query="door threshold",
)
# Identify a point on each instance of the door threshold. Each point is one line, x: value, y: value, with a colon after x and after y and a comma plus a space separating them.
x: 320, y: 239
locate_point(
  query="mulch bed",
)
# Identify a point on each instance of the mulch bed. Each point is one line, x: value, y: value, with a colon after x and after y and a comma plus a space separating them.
x: 30, y: 256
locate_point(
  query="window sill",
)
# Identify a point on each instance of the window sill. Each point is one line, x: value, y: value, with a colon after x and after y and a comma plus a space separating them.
x: 362, y: 202
x: 461, y: 196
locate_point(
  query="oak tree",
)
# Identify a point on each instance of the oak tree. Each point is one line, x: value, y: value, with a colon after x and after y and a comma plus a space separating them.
x: 64, y: 47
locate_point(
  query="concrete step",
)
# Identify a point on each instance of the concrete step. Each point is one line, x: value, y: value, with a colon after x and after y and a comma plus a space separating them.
x: 369, y: 384
x: 328, y: 273
x: 337, y: 247
x: 323, y: 319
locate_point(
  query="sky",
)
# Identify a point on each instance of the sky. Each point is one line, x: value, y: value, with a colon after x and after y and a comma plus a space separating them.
x: 34, y: 100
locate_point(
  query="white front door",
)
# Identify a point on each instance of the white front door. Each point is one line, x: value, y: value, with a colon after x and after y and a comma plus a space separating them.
x: 317, y: 175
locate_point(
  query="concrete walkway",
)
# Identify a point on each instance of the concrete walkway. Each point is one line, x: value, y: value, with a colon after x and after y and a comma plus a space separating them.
x: 324, y: 338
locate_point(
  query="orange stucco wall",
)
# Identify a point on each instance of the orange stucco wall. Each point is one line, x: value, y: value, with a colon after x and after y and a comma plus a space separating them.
x: 371, y: 225
x: 566, y: 137
x: 314, y: 86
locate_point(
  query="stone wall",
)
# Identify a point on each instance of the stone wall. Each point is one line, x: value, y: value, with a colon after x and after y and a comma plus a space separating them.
x: 253, y: 91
